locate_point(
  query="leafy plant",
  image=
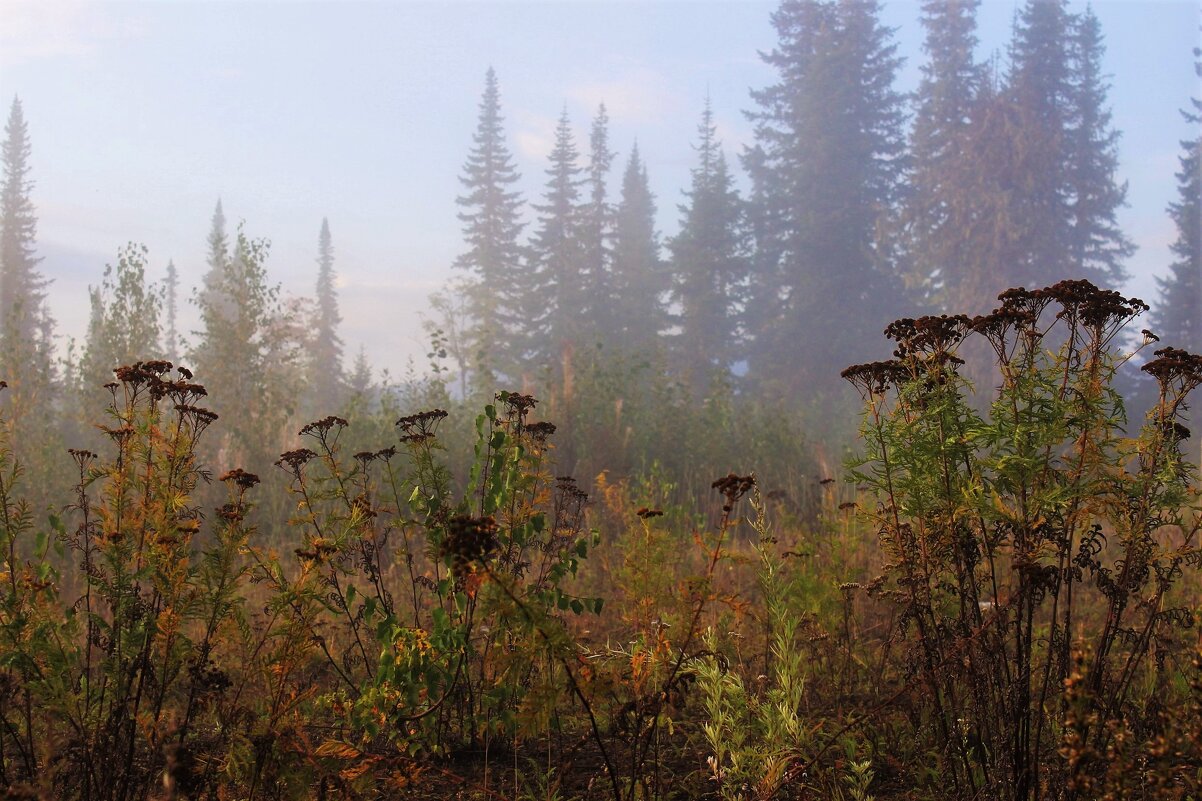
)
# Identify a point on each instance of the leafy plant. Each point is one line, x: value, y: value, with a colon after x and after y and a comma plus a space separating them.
x: 1010, y: 534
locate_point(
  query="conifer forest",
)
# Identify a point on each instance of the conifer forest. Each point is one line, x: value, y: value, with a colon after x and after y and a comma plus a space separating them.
x: 852, y: 467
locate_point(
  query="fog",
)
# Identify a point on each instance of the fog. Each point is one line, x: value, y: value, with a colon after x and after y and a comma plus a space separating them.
x: 495, y: 400
x: 141, y: 116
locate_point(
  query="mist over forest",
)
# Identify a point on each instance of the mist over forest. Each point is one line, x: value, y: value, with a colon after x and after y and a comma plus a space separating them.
x: 668, y: 400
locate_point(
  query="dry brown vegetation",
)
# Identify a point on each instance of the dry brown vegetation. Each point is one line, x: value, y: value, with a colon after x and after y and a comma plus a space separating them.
x: 999, y: 603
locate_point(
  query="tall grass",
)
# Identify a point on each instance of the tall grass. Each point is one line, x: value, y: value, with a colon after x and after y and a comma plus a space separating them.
x: 1000, y: 603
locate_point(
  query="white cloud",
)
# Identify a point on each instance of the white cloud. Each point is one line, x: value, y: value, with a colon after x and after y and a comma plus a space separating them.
x: 37, y: 29
x: 733, y: 137
x: 640, y: 95
x: 534, y: 136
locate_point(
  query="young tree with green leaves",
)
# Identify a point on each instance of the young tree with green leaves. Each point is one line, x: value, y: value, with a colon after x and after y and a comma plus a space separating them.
x: 123, y: 328
x: 491, y: 216
x: 244, y: 353
x: 124, y: 323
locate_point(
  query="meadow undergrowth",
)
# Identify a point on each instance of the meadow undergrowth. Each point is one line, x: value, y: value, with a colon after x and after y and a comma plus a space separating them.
x: 1000, y: 603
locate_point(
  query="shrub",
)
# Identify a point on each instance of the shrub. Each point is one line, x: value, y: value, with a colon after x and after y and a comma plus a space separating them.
x: 1013, y: 534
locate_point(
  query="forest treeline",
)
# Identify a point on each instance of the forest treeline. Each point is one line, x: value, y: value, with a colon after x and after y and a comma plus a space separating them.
x: 860, y: 202
x: 244, y: 570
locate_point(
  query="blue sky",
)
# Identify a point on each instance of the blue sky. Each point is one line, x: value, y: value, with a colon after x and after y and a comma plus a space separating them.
x: 142, y: 115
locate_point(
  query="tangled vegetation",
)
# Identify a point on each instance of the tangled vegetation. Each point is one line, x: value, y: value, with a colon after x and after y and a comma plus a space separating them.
x: 1000, y: 603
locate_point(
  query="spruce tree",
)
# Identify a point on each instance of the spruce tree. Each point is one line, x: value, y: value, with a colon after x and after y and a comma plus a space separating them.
x: 171, y: 291
x: 1039, y: 89
x: 709, y: 267
x: 324, y: 356
x: 556, y: 304
x: 990, y: 213
x: 1178, y: 315
x: 1046, y: 199
x: 596, y: 231
x: 764, y: 224
x: 26, y: 327
x: 639, y: 280
x: 938, y: 203
x: 1098, y: 246
x: 826, y: 167
x: 360, y: 379
x: 491, y: 217
x: 217, y: 258
x: 22, y: 287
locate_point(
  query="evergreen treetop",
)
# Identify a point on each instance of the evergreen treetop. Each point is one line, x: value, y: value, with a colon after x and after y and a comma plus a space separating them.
x: 941, y: 169
x: 324, y: 343
x: 1098, y: 245
x: 597, y: 228
x: 638, y: 277
x: 490, y: 212
x: 709, y: 266
x: 824, y: 172
x: 1178, y: 314
x: 22, y: 288
x: 556, y: 303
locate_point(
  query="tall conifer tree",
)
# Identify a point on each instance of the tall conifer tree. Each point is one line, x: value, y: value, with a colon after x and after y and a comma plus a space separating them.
x: 217, y: 258
x: 22, y: 287
x: 597, y: 230
x: 325, y: 345
x: 1098, y: 245
x: 171, y: 343
x: 26, y: 327
x: 491, y: 217
x: 938, y: 203
x: 559, y: 298
x: 638, y: 276
x: 991, y: 214
x: 1178, y: 314
x: 829, y: 146
x: 709, y: 266
x: 360, y: 380
x: 1039, y: 89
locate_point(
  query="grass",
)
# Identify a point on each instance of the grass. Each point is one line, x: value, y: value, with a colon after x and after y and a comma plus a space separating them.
x: 999, y: 603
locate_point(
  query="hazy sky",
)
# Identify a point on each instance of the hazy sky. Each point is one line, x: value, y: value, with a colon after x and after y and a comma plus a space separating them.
x: 142, y: 115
